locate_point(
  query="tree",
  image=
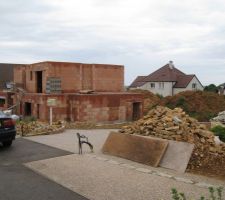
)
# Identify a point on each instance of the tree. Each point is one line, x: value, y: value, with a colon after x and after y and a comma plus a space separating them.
x: 211, y: 88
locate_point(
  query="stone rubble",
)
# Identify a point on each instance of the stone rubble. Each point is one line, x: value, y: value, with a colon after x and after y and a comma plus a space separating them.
x: 176, y: 125
x: 38, y: 128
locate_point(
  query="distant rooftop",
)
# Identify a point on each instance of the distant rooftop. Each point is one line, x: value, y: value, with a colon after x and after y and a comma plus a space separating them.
x: 167, y: 73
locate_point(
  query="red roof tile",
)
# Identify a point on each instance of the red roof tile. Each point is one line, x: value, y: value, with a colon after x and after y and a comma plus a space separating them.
x: 166, y: 73
x: 183, y: 81
x: 137, y: 82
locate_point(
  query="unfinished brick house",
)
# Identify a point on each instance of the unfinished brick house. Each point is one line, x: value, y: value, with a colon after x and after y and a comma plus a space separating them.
x: 82, y: 92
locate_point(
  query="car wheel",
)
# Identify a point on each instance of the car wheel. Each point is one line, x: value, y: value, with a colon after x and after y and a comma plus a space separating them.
x: 7, y: 143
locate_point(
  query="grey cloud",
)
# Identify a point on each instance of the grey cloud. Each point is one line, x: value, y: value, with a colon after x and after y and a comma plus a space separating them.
x: 40, y: 37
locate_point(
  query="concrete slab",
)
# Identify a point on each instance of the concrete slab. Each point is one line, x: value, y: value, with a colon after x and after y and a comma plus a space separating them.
x: 177, y: 156
x: 98, y: 137
x: 100, y: 180
x: 146, y: 150
x: 68, y: 140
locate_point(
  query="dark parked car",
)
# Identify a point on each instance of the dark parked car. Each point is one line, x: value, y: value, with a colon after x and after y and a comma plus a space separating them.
x: 7, y: 130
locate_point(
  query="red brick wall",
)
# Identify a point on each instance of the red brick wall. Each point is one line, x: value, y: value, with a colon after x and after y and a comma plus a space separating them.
x: 19, y: 75
x: 74, y: 76
x: 69, y: 74
x: 92, y: 108
x: 108, y: 78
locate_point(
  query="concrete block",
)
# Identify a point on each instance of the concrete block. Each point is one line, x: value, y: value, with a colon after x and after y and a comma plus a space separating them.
x: 177, y: 156
x: 146, y: 150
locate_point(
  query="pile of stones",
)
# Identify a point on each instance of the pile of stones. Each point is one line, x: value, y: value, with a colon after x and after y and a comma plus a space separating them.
x: 220, y: 118
x: 38, y: 128
x: 176, y: 125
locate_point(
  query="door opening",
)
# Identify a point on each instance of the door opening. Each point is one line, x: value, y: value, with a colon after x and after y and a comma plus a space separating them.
x: 39, y: 81
x: 27, y: 109
x: 136, y: 110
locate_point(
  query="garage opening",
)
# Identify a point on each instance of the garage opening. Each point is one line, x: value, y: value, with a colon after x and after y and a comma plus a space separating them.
x: 136, y: 111
x: 27, y: 109
x: 39, y: 81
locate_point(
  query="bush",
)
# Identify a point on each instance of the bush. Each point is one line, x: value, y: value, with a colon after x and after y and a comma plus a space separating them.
x: 181, y: 101
x: 160, y: 96
x: 219, y: 131
x: 215, y: 194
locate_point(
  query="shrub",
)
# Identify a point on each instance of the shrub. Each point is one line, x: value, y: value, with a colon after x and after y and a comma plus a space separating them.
x: 219, y: 131
x: 181, y: 101
x: 215, y: 194
x: 159, y: 95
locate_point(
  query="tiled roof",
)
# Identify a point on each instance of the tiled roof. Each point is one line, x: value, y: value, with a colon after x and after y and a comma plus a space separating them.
x: 166, y: 73
x: 183, y: 81
x: 137, y: 82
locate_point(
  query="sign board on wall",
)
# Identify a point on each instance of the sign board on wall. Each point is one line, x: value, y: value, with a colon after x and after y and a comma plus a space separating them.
x: 52, y: 102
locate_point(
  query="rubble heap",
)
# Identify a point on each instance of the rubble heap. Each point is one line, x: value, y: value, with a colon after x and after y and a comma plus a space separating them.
x: 176, y: 125
x: 38, y: 128
x: 220, y: 118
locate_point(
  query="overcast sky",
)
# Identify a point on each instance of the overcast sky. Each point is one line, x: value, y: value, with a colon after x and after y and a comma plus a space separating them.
x: 141, y: 35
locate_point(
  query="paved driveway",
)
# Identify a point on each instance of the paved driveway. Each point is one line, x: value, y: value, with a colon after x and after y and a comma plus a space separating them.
x: 20, y: 183
x: 99, y: 177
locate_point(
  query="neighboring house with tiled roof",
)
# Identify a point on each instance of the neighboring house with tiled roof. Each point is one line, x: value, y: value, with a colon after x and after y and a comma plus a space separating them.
x: 137, y: 82
x: 167, y: 81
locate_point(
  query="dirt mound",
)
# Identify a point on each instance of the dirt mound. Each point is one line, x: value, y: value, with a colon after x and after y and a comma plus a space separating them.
x: 176, y: 125
x: 150, y: 99
x: 198, y: 104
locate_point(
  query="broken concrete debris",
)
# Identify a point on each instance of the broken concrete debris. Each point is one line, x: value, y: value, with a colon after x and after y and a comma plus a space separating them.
x: 220, y: 118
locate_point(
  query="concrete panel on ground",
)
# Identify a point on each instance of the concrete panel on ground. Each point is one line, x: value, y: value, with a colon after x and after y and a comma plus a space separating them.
x: 177, y: 156
x: 146, y: 150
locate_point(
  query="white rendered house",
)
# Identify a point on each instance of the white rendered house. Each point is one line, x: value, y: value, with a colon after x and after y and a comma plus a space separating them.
x: 167, y: 81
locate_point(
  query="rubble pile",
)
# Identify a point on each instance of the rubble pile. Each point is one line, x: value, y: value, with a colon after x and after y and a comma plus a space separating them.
x: 176, y: 125
x: 38, y: 128
x: 220, y: 118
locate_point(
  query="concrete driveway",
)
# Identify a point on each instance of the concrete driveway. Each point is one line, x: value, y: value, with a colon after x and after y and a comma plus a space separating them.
x: 100, y: 177
x: 20, y: 183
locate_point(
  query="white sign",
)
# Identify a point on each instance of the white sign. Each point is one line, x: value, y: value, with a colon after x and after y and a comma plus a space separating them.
x: 51, y: 102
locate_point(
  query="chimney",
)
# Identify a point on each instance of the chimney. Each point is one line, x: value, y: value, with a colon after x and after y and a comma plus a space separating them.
x: 171, y: 65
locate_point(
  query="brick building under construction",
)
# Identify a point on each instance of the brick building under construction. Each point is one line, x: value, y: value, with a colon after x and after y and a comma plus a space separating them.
x: 81, y: 92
